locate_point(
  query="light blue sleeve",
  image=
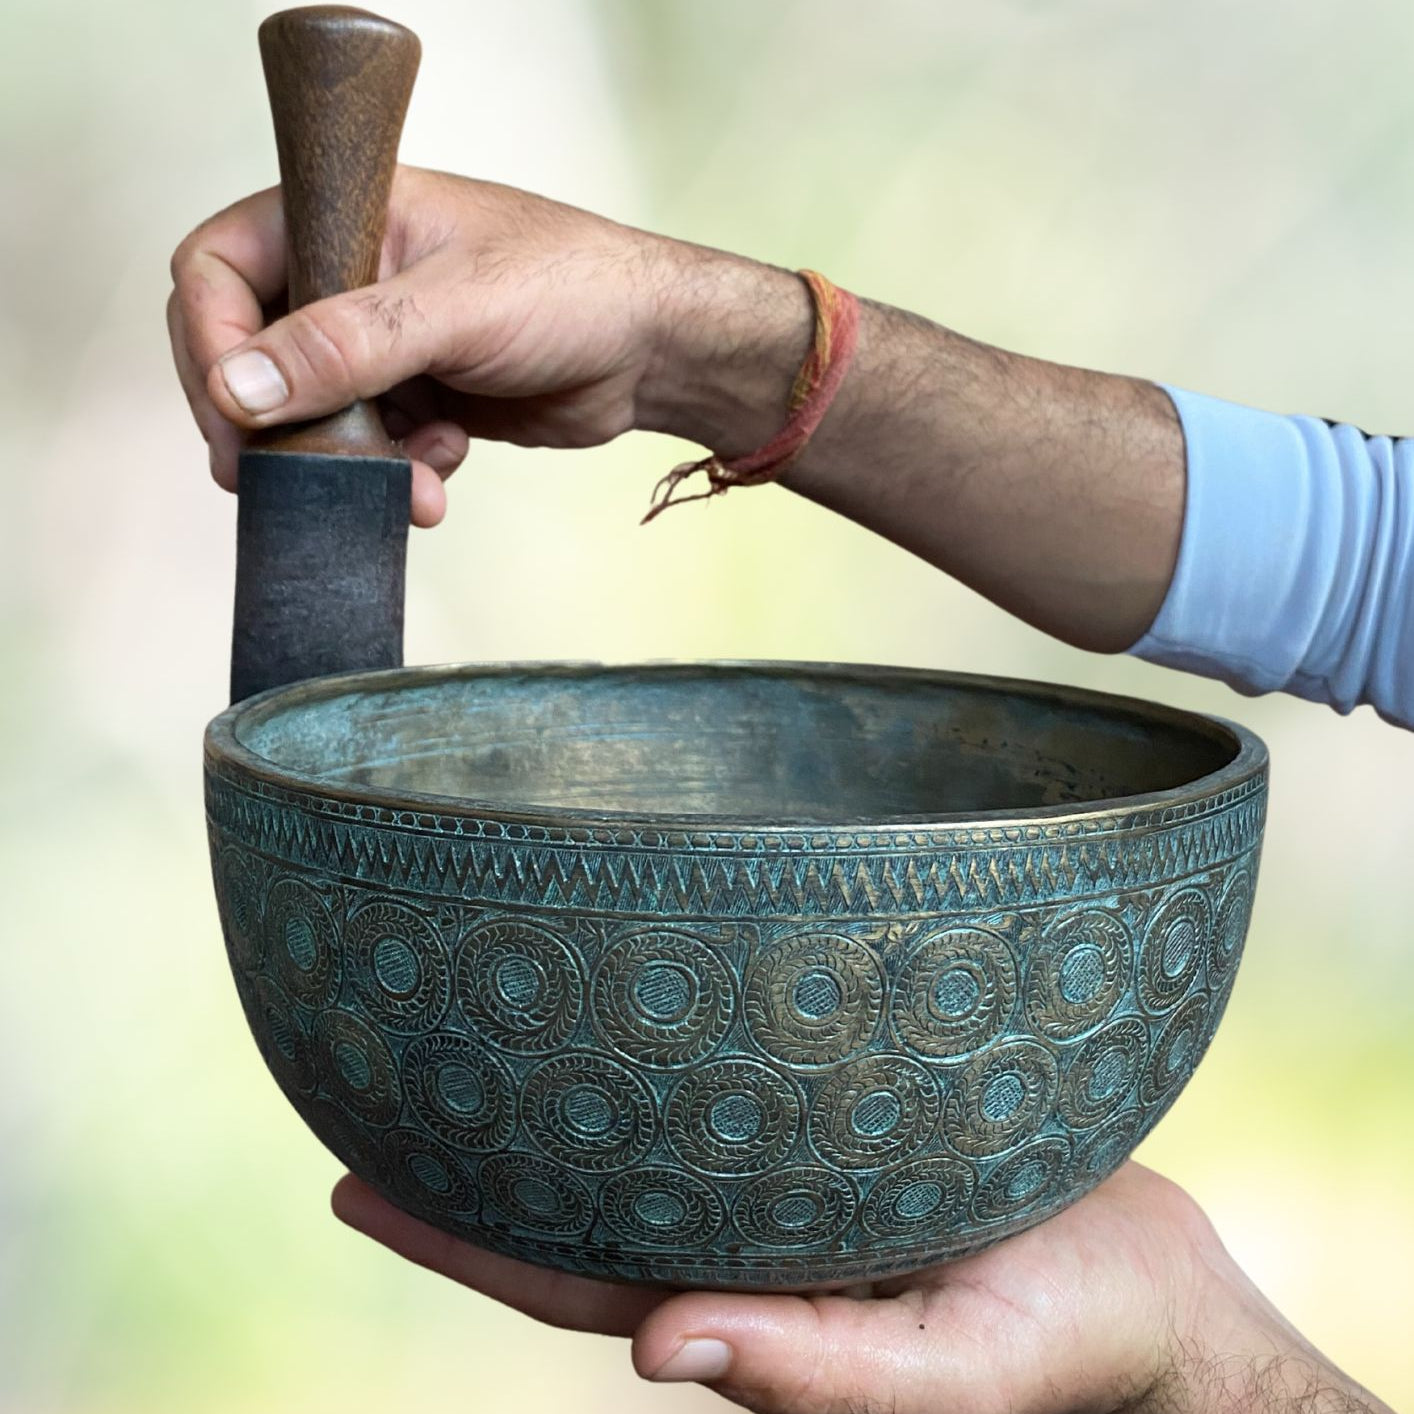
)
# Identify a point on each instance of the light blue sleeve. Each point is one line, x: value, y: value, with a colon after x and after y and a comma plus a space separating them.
x: 1296, y: 567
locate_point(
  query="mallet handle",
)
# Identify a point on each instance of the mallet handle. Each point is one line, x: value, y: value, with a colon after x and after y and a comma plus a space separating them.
x: 339, y: 81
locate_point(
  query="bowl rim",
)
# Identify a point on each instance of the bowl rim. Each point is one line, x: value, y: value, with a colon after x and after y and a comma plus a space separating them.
x: 224, y: 752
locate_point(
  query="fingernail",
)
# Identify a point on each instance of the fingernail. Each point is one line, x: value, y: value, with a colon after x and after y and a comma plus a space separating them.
x: 696, y: 1360
x: 254, y: 382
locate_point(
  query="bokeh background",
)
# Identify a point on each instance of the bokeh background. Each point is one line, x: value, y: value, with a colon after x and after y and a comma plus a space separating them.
x: 1214, y: 194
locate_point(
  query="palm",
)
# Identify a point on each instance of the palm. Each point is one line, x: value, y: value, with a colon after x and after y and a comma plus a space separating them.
x: 1071, y: 1312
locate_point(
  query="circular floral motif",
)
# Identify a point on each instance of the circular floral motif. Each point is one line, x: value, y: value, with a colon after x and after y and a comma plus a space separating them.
x: 1106, y: 1149
x: 300, y: 942
x: 1174, y: 944
x: 281, y: 1037
x: 1234, y: 914
x: 1078, y: 974
x: 460, y: 1091
x: 955, y: 992
x: 733, y: 1117
x: 814, y: 999
x: 1001, y: 1098
x: 588, y: 1111
x: 535, y: 1194
x: 520, y: 986
x: 1175, y: 1053
x: 356, y: 1068
x: 918, y: 1199
x: 426, y: 1175
x: 795, y: 1207
x: 873, y: 1110
x: 1032, y: 1177
x: 662, y: 1207
x: 1103, y: 1073
x: 662, y: 998
x: 238, y: 891
x: 402, y: 973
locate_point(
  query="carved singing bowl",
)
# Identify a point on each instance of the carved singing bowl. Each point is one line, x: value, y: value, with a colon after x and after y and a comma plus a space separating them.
x: 729, y: 975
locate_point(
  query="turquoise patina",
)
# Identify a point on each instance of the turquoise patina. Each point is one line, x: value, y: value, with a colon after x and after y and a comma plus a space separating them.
x: 731, y: 975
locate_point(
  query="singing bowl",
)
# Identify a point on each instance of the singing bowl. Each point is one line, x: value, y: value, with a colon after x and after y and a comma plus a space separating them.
x: 729, y: 975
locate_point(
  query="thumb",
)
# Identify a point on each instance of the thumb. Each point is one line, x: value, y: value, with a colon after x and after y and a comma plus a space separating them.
x: 322, y: 357
x: 797, y: 1354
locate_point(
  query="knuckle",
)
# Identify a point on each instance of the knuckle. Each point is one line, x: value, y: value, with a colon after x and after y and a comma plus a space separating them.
x: 816, y: 1387
x: 327, y: 350
x: 184, y: 257
x: 181, y: 259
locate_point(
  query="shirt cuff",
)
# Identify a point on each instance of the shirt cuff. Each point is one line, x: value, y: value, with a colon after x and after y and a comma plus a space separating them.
x: 1247, y: 596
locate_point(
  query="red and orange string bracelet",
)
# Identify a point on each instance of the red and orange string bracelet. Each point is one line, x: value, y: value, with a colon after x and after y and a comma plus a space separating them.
x: 819, y: 379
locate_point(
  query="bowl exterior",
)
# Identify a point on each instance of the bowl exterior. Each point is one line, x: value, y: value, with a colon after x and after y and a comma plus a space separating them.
x: 727, y: 1057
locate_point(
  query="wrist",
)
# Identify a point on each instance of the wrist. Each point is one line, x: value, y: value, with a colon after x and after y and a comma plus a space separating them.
x: 727, y: 337
x: 1273, y: 1381
x: 1239, y: 1354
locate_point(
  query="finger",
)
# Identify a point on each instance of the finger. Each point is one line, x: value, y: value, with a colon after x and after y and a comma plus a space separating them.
x: 556, y: 1298
x: 442, y: 445
x: 422, y: 403
x: 226, y: 270
x: 223, y: 439
x: 805, y: 1355
x: 429, y: 496
x: 222, y: 274
x: 412, y: 404
x: 436, y: 449
x: 322, y: 357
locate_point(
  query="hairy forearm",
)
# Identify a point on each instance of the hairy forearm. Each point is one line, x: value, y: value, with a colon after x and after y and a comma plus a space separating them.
x: 1056, y: 492
x: 1230, y: 1351
x: 1269, y: 1384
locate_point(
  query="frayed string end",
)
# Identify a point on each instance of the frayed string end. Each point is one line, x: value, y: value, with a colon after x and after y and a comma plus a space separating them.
x: 831, y: 352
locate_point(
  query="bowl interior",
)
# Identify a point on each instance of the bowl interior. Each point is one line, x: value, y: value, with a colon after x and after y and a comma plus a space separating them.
x: 779, y: 743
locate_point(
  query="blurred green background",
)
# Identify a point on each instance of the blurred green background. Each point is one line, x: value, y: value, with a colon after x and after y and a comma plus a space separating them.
x: 1217, y: 195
